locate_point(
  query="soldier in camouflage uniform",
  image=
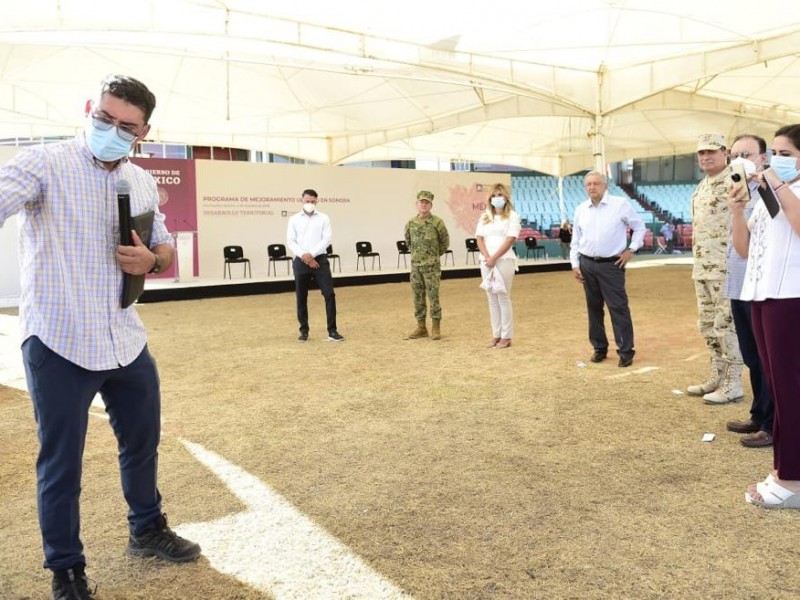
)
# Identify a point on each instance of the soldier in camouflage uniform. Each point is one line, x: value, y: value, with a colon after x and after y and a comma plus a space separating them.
x: 711, y: 226
x: 427, y: 238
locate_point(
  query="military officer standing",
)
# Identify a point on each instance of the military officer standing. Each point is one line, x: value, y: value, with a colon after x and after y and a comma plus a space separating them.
x: 711, y: 222
x: 427, y: 238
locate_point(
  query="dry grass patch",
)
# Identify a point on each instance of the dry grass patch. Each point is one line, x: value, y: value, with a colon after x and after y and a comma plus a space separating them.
x: 455, y: 471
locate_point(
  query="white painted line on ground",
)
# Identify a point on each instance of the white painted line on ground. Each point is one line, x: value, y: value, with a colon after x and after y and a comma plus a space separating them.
x: 94, y: 413
x: 275, y: 548
x: 694, y: 357
x: 12, y: 372
x: 638, y: 371
x: 677, y: 259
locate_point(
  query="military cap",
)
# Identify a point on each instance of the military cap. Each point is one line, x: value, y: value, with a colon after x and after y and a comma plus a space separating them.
x: 711, y: 141
x: 423, y: 195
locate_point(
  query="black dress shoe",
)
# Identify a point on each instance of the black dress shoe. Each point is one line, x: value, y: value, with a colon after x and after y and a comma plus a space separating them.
x: 625, y: 361
x: 598, y: 356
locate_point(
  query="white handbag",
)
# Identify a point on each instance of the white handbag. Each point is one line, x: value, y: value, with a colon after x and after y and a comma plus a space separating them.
x: 493, y: 282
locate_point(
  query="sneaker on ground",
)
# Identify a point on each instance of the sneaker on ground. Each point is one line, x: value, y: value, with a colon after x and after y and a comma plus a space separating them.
x: 334, y: 336
x: 161, y: 541
x: 71, y: 584
x: 303, y: 337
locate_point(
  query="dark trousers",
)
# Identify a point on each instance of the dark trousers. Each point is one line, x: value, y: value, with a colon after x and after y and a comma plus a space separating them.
x: 303, y: 275
x: 62, y: 392
x: 761, y: 411
x: 604, y: 283
x: 777, y: 329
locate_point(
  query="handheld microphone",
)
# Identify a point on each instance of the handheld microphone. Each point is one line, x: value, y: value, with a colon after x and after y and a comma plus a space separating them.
x: 124, y: 204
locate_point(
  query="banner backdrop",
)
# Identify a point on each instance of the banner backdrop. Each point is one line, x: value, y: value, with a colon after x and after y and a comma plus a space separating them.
x: 249, y: 205
x: 177, y: 199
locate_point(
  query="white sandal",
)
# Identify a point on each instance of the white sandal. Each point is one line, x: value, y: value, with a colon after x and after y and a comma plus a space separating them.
x: 773, y: 495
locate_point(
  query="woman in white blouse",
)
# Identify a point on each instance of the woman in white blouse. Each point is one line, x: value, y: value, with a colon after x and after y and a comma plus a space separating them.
x: 772, y: 282
x: 496, y: 233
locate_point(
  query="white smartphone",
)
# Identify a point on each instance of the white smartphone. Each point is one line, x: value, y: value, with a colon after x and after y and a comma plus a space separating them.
x: 739, y: 177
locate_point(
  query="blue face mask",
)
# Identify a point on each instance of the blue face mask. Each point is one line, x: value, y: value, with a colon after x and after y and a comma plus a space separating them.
x: 498, y: 202
x: 785, y: 167
x: 106, y: 146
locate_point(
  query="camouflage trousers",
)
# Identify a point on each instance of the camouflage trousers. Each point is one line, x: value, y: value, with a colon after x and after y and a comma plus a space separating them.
x: 426, y: 279
x: 715, y: 321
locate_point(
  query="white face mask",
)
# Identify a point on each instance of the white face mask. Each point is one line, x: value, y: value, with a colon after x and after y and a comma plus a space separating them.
x: 498, y: 202
x: 309, y: 207
x: 749, y: 165
x: 105, y: 144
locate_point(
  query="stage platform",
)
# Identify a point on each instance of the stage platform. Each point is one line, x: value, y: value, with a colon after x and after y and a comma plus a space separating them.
x: 159, y: 290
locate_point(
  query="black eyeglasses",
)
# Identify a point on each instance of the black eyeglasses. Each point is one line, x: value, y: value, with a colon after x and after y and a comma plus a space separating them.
x: 744, y: 154
x: 104, y: 123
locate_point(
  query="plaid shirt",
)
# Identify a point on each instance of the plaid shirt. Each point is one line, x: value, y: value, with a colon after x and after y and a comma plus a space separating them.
x: 69, y: 230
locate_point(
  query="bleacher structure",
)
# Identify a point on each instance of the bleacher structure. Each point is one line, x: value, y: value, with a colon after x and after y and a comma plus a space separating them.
x: 536, y: 200
x: 674, y: 198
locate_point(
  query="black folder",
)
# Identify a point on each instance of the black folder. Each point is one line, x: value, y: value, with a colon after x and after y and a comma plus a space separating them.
x: 770, y: 201
x: 133, y: 285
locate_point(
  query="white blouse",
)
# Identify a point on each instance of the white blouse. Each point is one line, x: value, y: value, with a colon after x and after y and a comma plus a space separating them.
x: 773, y: 264
x: 495, y: 232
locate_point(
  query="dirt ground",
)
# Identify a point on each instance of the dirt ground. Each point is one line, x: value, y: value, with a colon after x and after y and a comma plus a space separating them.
x: 454, y: 471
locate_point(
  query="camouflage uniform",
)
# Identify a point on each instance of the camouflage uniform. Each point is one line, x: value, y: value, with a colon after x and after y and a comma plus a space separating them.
x: 428, y: 240
x: 711, y: 226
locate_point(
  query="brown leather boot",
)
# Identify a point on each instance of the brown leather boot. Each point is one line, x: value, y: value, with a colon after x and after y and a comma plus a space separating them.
x: 435, y: 333
x: 420, y: 332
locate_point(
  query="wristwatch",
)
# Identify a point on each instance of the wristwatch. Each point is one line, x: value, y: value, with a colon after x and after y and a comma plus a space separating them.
x: 156, y: 266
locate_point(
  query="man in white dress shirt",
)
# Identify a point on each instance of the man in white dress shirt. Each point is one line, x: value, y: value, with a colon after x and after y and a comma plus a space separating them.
x: 308, y: 237
x: 598, y: 254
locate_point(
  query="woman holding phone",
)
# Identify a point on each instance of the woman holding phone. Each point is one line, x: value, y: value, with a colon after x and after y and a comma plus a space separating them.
x: 771, y: 243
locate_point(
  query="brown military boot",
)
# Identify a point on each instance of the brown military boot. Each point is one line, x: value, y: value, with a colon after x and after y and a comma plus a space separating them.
x: 435, y: 333
x: 420, y: 332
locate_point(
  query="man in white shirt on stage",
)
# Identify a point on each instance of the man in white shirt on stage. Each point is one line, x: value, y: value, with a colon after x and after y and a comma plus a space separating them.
x: 598, y: 255
x: 308, y: 237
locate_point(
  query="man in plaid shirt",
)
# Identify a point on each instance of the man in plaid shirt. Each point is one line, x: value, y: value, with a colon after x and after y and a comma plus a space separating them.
x: 77, y: 340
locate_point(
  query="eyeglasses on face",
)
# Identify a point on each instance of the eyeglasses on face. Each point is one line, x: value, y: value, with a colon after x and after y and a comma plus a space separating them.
x: 104, y: 123
x: 745, y: 154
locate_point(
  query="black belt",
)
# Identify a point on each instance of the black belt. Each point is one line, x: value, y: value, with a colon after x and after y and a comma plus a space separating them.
x: 601, y: 259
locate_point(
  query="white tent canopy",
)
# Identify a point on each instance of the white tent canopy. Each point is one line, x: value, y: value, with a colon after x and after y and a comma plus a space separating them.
x: 556, y: 87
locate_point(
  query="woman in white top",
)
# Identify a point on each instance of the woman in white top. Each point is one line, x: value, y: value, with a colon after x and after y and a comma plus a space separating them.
x: 772, y: 283
x: 497, y: 232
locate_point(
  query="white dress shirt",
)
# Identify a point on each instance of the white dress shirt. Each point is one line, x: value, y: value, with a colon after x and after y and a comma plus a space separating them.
x: 309, y: 233
x: 602, y: 231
